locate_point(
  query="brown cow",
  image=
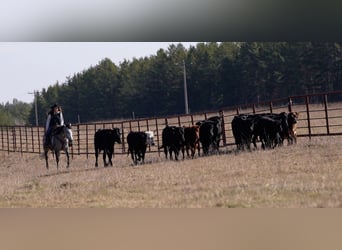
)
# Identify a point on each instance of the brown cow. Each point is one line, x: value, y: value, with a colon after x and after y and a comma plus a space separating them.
x: 191, y: 135
x: 292, y: 120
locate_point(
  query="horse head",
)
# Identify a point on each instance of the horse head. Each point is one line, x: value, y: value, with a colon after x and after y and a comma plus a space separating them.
x: 68, y: 134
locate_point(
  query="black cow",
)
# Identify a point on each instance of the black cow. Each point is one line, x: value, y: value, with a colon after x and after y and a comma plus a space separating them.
x: 292, y: 120
x: 104, y: 139
x: 191, y: 135
x: 137, y: 144
x: 173, y: 141
x: 210, y: 134
x: 242, y: 128
x: 269, y: 130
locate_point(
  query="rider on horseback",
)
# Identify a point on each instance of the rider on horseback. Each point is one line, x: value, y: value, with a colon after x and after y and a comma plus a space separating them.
x: 54, y: 119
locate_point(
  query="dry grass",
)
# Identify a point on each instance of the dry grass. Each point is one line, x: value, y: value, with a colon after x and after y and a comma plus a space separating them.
x: 308, y: 174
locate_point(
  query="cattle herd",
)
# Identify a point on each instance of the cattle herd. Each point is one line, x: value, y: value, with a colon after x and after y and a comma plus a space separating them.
x: 269, y: 129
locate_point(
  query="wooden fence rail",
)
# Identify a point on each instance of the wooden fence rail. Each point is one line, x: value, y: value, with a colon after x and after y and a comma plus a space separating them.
x: 317, y: 117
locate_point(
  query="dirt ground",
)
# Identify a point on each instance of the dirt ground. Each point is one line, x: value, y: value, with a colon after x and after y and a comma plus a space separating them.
x: 308, y: 174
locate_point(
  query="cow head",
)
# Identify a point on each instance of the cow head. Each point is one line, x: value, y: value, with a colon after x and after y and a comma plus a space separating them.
x: 116, y: 135
x: 149, y: 138
x: 292, y: 118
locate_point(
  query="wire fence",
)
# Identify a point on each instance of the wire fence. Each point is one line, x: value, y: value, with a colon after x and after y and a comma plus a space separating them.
x: 319, y: 115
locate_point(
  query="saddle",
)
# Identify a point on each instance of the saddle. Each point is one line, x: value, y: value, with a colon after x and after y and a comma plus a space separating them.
x: 48, y: 137
x: 56, y: 130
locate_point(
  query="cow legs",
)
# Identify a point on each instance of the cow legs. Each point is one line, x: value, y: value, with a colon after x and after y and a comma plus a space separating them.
x: 104, y: 158
x: 292, y: 138
x: 182, y: 148
x: 109, y: 153
x: 110, y: 157
x: 166, y: 149
x: 170, y: 152
x: 133, y: 156
x: 188, y: 147
x: 143, y: 156
x: 205, y: 149
x: 193, y: 151
x: 136, y: 158
x: 96, y: 156
x: 176, y: 155
x: 46, y: 158
x: 139, y: 156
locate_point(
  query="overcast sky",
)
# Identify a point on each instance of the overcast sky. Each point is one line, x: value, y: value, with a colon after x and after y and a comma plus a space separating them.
x: 25, y: 67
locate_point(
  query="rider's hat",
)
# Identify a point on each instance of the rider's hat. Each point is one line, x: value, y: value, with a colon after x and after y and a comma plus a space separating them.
x: 54, y: 106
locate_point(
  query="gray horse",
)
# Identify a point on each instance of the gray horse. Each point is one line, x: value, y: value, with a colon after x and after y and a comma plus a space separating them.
x: 61, y: 139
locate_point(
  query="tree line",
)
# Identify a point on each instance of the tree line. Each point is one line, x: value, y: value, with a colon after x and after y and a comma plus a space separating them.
x: 217, y: 75
x: 15, y: 113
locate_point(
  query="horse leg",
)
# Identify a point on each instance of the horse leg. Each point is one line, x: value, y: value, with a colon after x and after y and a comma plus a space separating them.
x: 67, y: 155
x: 46, y: 158
x: 57, y: 157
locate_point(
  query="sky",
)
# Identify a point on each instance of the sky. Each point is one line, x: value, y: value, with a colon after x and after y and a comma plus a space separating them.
x: 26, y: 67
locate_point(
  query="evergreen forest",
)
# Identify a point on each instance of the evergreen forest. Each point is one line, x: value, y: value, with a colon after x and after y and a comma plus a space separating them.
x: 217, y: 75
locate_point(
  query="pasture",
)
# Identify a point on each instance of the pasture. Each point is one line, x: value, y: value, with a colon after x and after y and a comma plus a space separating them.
x: 305, y: 175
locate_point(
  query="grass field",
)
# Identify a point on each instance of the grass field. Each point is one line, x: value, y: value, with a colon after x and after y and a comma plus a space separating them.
x: 308, y: 174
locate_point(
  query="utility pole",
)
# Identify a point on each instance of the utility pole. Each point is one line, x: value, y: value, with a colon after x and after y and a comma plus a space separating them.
x: 185, y: 91
x: 35, y: 93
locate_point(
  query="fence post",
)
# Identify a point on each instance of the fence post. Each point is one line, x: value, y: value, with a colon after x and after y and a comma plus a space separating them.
x: 39, y: 141
x: 123, y: 138
x: 72, y: 152
x: 157, y: 136
x: 87, y: 138
x: 223, y: 128
x: 271, y: 107
x: 26, y: 139
x: 20, y: 141
x: 290, y: 105
x: 14, y: 139
x: 32, y: 138
x: 78, y: 140
x: 308, y: 115
x: 8, y: 144
x: 2, y: 138
x: 326, y: 113
x: 147, y: 125
x: 253, y: 108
